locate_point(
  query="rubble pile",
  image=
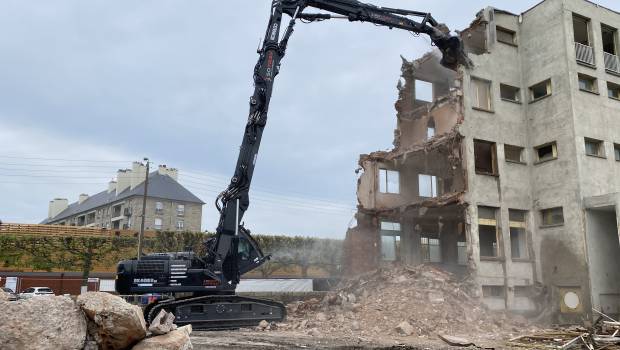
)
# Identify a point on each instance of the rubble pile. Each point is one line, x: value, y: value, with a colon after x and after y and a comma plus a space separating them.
x: 422, y: 302
x: 97, y: 321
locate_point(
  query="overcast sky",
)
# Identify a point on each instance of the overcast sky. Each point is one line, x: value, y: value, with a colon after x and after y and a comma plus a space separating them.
x: 114, y: 81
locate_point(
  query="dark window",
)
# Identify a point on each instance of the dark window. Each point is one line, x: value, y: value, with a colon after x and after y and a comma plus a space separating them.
x: 587, y: 83
x: 523, y: 291
x: 493, y: 291
x: 613, y: 90
x: 595, y: 147
x: 581, y: 30
x: 487, y: 231
x: 552, y: 216
x: 513, y: 153
x: 510, y: 93
x: 609, y: 39
x: 485, y: 157
x: 430, y: 129
x: 617, y: 151
x: 546, y: 152
x: 540, y: 90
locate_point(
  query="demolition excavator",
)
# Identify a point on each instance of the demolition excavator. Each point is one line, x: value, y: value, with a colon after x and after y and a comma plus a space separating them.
x: 208, y: 280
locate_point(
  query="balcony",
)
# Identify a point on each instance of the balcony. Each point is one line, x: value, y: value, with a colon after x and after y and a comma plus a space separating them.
x: 584, y: 54
x: 612, y: 63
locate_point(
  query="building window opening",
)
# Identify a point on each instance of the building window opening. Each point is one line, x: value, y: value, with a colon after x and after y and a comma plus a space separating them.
x: 595, y: 148
x: 158, y: 224
x: 613, y: 90
x: 514, y: 154
x: 487, y: 231
x: 506, y: 36
x: 581, y: 29
x: 461, y: 253
x: 481, y: 94
x: 423, y: 91
x: 180, y: 209
x: 493, y: 291
x: 617, y: 152
x: 609, y: 39
x: 389, y: 181
x: 430, y: 249
x: 509, y: 93
x: 540, y: 90
x: 430, y: 129
x: 390, y: 241
x: 427, y: 186
x: 518, y: 235
x: 485, y: 157
x: 159, y: 208
x: 552, y: 216
x: 587, y: 83
x: 180, y: 224
x: 546, y: 152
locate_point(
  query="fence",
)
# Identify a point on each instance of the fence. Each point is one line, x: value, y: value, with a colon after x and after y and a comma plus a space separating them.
x: 64, y: 231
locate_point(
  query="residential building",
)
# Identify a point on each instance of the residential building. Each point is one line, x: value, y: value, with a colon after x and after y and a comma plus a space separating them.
x: 509, y: 170
x: 169, y: 205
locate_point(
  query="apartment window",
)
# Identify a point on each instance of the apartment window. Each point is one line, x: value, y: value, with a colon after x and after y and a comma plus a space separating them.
x: 552, y: 216
x: 587, y: 83
x: 487, y: 231
x: 594, y: 147
x: 116, y: 210
x: 180, y: 224
x: 581, y: 30
x: 390, y: 241
x: 509, y: 93
x: 485, y: 157
x: 546, y: 152
x: 518, y: 235
x: 617, y: 151
x: 423, y: 91
x: 81, y: 220
x: 493, y: 291
x: 609, y: 39
x: 181, y: 209
x: 431, y: 249
x: 481, y: 94
x: 513, y: 154
x: 427, y: 185
x: 613, y: 90
x: 159, y: 208
x: 389, y: 181
x: 430, y: 129
x: 90, y: 218
x: 461, y: 253
x: 506, y: 36
x: 540, y: 90
x: 158, y: 224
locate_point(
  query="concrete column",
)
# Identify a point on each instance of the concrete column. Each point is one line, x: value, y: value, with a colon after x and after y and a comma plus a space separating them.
x: 506, y: 253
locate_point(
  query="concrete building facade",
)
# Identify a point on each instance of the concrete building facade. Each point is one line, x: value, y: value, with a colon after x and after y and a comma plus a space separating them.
x: 169, y: 205
x: 509, y: 170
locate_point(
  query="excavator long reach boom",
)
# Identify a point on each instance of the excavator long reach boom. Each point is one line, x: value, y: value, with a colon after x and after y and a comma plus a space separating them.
x: 212, y: 278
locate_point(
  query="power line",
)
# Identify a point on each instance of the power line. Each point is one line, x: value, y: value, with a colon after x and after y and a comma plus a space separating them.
x: 68, y: 160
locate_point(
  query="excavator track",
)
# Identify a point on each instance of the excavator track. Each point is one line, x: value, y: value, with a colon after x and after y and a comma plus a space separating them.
x: 217, y: 312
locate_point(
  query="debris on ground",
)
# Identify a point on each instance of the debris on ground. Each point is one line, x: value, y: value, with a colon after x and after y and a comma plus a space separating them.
x: 604, y: 334
x: 404, y: 302
x: 97, y: 321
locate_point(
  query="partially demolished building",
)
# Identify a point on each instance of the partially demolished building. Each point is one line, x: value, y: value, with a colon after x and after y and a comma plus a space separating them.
x: 509, y: 170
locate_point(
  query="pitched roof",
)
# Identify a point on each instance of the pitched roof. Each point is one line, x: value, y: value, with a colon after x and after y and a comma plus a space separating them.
x: 160, y: 186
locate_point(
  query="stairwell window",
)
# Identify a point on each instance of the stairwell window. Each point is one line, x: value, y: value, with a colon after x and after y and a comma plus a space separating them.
x: 510, y: 93
x: 389, y: 181
x: 552, y: 216
x: 587, y: 83
x: 546, y: 152
x: 617, y: 152
x: 481, y: 94
x: 540, y: 90
x: 595, y: 148
x: 514, y: 154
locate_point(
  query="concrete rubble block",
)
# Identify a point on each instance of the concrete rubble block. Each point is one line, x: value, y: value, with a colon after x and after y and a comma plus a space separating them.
x: 162, y: 323
x: 404, y: 328
x: 4, y: 296
x: 177, y: 339
x: 50, y: 322
x: 114, y: 323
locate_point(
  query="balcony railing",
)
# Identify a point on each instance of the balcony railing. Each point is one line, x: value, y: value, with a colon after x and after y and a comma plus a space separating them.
x: 612, y: 62
x: 584, y: 53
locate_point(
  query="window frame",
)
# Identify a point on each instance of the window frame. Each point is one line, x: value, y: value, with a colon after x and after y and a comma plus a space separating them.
x: 513, y: 223
x: 617, y: 152
x: 494, y: 167
x: 517, y: 94
x: 159, y: 207
x: 554, y: 152
x: 611, y: 86
x: 548, y: 87
x: 387, y: 181
x: 394, y: 231
x: 180, y: 209
x: 489, y: 86
x: 161, y: 224
x: 434, y: 182
x: 415, y: 86
x: 482, y: 221
x: 181, y: 226
x: 512, y: 33
x: 426, y: 242
x: 590, y: 79
x: 600, y: 147
x: 521, y: 154
x: 550, y: 211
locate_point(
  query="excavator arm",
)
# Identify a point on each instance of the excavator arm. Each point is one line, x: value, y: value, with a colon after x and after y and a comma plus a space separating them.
x: 234, y: 201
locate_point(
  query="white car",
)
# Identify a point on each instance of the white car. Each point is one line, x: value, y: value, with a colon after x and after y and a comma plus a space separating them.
x: 35, y: 292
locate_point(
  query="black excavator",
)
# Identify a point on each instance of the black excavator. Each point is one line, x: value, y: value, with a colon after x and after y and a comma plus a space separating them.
x: 211, y: 278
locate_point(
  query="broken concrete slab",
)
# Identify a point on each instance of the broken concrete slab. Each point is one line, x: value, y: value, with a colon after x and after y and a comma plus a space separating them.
x: 405, y: 328
x: 177, y: 339
x: 162, y: 323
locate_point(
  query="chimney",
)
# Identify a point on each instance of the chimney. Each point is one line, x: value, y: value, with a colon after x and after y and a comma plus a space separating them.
x: 56, y: 207
x: 172, y: 172
x: 111, y: 186
x: 138, y: 172
x: 82, y: 198
x: 123, y: 180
